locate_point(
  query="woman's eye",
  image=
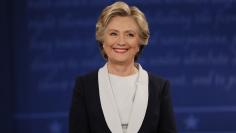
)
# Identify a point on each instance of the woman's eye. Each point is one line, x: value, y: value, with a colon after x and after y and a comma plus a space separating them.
x: 113, y: 34
x: 131, y: 35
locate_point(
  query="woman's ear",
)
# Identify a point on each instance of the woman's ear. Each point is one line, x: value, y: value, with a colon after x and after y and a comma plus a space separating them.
x: 139, y: 48
x: 100, y: 44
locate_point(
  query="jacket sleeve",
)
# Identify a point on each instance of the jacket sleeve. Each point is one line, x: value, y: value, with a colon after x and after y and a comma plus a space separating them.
x: 167, y: 117
x: 78, y: 118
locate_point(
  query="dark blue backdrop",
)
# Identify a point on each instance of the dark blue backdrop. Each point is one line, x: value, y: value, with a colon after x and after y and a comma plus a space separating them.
x: 49, y: 42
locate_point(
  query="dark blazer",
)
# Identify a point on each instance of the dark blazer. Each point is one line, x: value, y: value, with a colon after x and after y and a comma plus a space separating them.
x: 86, y: 115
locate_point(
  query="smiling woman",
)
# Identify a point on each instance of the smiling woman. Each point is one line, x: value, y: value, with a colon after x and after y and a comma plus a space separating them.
x: 121, y: 43
x: 121, y: 97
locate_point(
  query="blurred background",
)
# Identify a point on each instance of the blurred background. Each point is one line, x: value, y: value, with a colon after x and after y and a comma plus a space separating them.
x: 45, y: 44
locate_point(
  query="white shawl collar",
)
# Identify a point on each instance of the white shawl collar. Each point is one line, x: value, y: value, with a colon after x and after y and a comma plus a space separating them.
x: 109, y: 107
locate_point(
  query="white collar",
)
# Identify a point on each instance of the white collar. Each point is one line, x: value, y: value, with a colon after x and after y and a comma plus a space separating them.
x: 109, y: 107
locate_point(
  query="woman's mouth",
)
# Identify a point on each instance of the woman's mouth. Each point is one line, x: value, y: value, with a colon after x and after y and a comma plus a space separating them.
x: 120, y: 50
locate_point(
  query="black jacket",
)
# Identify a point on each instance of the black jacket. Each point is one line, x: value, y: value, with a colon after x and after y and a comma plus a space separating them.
x: 86, y: 115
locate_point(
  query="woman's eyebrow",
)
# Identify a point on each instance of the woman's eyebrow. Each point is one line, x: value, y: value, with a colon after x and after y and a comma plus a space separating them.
x: 126, y: 31
x: 113, y: 30
x: 130, y: 30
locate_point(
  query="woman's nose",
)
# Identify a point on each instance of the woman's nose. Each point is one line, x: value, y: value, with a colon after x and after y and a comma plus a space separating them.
x: 121, y: 40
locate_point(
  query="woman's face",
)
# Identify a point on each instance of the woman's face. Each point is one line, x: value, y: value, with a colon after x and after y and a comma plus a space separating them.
x: 121, y: 40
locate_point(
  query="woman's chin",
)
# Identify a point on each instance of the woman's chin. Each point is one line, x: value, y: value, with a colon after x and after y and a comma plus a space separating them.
x: 120, y: 61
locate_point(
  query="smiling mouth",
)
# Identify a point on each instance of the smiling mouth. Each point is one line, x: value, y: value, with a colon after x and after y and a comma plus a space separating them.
x: 120, y: 50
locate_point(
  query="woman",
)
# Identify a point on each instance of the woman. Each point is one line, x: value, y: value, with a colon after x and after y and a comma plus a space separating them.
x: 121, y: 97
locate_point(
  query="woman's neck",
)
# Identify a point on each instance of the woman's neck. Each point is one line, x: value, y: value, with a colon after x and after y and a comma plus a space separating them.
x: 122, y: 70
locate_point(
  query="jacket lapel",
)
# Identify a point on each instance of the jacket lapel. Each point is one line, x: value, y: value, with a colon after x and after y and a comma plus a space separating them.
x: 108, y: 102
x: 140, y: 103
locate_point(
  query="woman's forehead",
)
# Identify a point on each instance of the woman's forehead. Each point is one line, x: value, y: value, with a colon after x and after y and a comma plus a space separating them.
x: 121, y: 23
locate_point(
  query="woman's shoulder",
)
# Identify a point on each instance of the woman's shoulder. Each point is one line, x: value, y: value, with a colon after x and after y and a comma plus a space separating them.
x: 157, y: 80
x: 88, y: 76
x: 156, y: 77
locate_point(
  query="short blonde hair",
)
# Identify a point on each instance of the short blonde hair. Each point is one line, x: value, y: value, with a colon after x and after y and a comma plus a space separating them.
x: 122, y: 9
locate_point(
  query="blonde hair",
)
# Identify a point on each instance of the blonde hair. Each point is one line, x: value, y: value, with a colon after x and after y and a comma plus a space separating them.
x: 122, y: 9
